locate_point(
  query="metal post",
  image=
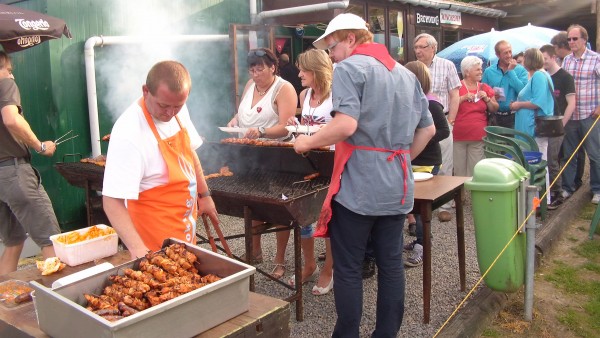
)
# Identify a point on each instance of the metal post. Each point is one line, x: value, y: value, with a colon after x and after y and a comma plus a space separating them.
x: 530, y: 264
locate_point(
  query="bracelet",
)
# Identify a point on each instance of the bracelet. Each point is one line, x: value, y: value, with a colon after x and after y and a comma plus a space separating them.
x: 205, y: 194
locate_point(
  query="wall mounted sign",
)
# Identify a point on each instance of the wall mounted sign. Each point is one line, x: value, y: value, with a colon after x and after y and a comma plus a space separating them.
x: 427, y: 17
x: 450, y: 17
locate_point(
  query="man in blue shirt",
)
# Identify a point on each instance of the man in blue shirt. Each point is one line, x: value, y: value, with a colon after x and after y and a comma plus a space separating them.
x: 507, y: 78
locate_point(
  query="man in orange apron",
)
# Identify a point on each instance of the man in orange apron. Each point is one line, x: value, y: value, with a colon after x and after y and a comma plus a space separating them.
x: 381, y: 120
x: 154, y: 187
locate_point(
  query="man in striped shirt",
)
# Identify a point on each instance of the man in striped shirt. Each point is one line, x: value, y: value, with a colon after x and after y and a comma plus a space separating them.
x: 444, y: 84
x: 584, y: 65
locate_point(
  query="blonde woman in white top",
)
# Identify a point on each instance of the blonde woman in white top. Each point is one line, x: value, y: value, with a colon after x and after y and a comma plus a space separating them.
x: 268, y: 102
x: 316, y: 73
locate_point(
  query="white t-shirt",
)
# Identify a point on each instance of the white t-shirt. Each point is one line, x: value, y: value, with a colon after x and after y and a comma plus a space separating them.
x: 134, y: 162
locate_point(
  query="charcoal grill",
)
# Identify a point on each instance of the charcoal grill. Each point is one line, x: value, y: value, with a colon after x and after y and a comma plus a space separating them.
x: 89, y: 177
x: 268, y: 185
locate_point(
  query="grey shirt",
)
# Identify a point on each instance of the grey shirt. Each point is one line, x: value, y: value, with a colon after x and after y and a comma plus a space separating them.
x: 389, y: 106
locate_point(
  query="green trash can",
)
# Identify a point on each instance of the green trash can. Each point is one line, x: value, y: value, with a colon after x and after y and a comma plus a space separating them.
x: 498, y: 197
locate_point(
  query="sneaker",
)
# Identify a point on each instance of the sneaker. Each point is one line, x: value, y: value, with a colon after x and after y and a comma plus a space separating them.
x: 444, y: 216
x: 556, y: 202
x: 410, y: 246
x: 565, y: 195
x: 368, y: 267
x: 596, y: 199
x: 416, y: 257
x: 412, y: 229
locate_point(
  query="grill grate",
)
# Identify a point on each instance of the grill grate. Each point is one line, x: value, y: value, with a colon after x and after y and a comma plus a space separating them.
x: 269, y: 185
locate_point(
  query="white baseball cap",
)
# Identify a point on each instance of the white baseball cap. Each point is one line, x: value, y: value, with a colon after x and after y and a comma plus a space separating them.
x: 342, y: 21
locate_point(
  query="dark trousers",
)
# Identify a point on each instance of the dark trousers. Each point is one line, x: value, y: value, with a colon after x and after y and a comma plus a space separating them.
x: 507, y: 121
x: 349, y: 233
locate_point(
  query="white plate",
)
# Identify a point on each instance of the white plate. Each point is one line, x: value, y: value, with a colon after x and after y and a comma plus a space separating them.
x: 234, y: 129
x: 304, y: 129
x: 422, y: 176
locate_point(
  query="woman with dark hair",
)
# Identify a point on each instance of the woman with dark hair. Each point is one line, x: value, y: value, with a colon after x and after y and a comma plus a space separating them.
x: 268, y: 102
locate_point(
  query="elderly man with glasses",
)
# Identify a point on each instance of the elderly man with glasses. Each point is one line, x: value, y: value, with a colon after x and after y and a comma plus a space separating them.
x: 444, y: 84
x: 584, y: 65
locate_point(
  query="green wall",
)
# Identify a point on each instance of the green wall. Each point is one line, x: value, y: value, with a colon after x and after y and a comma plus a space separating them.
x: 52, y: 79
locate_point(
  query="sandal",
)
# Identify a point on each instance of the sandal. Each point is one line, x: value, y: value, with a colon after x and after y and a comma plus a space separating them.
x: 322, y: 256
x: 257, y: 259
x: 278, y: 270
x: 318, y: 291
x: 313, y: 277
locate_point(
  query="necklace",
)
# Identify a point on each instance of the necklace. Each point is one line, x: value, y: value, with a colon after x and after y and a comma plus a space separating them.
x: 312, y: 95
x: 266, y: 90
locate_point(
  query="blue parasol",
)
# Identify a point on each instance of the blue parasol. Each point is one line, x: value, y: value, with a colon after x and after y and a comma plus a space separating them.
x: 482, y: 46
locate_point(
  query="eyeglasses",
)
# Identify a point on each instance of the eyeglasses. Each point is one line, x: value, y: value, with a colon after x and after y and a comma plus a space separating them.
x: 573, y: 39
x: 332, y: 46
x: 257, y: 52
x: 256, y: 71
x: 421, y: 47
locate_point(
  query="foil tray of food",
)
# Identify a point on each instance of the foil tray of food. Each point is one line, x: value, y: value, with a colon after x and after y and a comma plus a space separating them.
x: 86, y: 306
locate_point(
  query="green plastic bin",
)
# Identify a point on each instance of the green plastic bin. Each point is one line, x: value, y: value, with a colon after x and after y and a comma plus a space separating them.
x: 495, y: 189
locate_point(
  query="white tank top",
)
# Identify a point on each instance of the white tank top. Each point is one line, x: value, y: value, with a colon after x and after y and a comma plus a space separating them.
x: 318, y: 115
x: 263, y: 114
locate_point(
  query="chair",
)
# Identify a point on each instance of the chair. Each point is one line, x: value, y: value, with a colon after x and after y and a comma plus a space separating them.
x: 500, y: 142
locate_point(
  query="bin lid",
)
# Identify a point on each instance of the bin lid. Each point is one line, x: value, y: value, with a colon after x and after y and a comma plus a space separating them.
x: 496, y: 174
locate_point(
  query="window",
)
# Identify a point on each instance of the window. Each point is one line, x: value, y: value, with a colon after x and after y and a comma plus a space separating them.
x: 377, y: 23
x: 397, y: 42
x: 450, y: 37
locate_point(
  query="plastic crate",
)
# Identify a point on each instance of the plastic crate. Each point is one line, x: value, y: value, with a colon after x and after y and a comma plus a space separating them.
x: 86, y: 251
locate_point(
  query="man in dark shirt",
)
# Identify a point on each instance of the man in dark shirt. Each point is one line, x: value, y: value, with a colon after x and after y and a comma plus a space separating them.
x: 289, y: 72
x: 24, y: 204
x: 564, y: 92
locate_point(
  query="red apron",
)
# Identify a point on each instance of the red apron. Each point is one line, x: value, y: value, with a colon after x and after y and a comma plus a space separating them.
x: 168, y: 210
x: 343, y: 152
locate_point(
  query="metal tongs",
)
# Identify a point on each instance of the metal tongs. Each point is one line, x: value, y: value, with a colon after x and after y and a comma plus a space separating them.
x: 63, y: 139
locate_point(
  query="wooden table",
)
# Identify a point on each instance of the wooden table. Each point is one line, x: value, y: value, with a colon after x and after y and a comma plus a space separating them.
x: 266, y: 316
x: 430, y: 195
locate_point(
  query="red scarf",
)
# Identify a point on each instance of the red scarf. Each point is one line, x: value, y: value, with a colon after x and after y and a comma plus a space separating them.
x: 378, y: 51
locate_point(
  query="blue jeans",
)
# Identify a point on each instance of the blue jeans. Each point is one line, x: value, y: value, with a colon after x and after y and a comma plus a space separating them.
x: 349, y: 234
x: 575, y: 130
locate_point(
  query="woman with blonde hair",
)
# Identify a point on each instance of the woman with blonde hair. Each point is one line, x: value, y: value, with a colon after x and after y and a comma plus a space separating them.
x: 316, y: 74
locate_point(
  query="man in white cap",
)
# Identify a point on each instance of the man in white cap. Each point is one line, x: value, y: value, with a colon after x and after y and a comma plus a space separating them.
x: 380, y: 121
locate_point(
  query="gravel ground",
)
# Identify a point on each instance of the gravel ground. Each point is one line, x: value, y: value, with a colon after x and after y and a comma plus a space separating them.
x: 319, y: 312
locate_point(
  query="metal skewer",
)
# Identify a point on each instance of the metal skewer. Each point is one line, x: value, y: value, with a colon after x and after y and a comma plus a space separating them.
x: 63, y: 139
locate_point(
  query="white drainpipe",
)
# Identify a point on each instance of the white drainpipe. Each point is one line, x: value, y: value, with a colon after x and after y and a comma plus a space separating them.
x: 90, y: 70
x: 303, y: 9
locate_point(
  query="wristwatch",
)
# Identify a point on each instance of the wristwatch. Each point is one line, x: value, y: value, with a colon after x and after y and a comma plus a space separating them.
x: 205, y: 194
x: 42, y: 148
x: 262, y: 131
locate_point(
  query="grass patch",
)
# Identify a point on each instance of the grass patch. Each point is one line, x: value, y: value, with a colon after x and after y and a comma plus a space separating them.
x: 587, y: 212
x: 490, y: 332
x: 589, y: 250
x: 565, y: 277
x: 593, y: 267
x: 572, y: 239
x: 572, y: 320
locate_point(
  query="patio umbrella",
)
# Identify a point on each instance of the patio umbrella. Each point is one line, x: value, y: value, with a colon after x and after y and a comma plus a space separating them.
x: 21, y: 29
x: 482, y: 45
x: 537, y: 32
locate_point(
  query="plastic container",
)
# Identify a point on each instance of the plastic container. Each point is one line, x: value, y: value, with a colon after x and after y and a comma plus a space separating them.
x: 88, y: 250
x: 532, y: 157
x: 495, y: 190
x: 14, y: 293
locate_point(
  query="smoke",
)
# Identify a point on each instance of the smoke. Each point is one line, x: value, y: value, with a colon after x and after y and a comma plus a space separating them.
x: 121, y: 69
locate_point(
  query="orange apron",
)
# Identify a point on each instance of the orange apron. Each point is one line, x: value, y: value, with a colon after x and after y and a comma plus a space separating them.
x: 343, y: 152
x: 168, y: 210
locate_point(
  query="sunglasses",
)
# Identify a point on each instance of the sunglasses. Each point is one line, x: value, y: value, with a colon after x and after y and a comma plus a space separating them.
x: 573, y: 39
x: 331, y: 47
x: 261, y: 53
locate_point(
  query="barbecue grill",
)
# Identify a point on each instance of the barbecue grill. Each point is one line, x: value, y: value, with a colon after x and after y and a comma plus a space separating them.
x: 268, y: 185
x: 88, y: 176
